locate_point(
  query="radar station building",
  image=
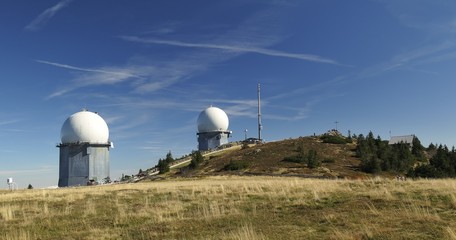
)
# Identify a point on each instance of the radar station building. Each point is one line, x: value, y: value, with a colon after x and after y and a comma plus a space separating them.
x: 84, y: 150
x: 212, y: 128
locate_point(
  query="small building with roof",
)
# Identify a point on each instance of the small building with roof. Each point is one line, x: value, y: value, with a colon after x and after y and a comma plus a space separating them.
x: 407, y: 139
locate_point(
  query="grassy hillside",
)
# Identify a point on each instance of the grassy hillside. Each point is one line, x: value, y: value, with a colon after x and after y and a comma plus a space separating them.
x: 338, y: 160
x: 235, y: 208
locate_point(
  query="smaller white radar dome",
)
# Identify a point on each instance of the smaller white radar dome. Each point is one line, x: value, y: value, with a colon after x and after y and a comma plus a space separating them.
x: 85, y: 126
x: 212, y: 119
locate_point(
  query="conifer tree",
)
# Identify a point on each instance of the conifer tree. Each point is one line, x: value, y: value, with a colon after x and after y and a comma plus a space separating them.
x: 418, y: 150
x: 312, y: 159
x: 197, y: 159
x: 163, y: 166
x: 169, y: 157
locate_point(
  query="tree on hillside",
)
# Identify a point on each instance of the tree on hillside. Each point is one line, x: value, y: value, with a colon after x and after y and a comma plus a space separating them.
x: 402, y: 158
x: 169, y: 157
x: 424, y: 171
x: 312, y: 159
x: 197, y: 159
x: 362, y: 149
x: 385, y: 156
x: 418, y: 150
x: 360, y: 137
x: 443, y: 163
x: 431, y: 147
x: 30, y: 186
x: 377, y: 155
x: 371, y: 164
x: 163, y: 166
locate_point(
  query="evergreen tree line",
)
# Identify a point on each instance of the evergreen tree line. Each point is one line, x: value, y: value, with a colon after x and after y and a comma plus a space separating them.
x: 197, y: 159
x: 441, y: 165
x: 377, y: 155
x: 310, y: 157
x: 163, y: 164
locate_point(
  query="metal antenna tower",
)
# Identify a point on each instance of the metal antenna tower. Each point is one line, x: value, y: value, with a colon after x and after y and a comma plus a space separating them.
x: 259, y: 114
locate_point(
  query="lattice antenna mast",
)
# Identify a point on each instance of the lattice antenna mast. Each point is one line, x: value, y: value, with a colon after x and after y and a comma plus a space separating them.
x: 259, y: 114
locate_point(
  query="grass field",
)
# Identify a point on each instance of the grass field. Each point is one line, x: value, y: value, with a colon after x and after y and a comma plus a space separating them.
x: 235, y: 208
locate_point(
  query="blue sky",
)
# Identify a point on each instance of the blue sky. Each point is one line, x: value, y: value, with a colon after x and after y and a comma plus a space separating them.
x: 150, y: 67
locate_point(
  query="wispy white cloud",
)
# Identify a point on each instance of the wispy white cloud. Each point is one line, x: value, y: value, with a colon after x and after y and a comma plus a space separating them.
x: 158, y: 149
x: 148, y: 74
x: 319, y: 87
x: 144, y: 76
x: 164, y: 28
x: 249, y: 109
x: 439, y: 29
x: 420, y: 14
x: 121, y: 73
x: 235, y: 108
x: 45, y: 16
x: 133, y: 122
x: 423, y: 52
x: 233, y: 48
x: 294, y: 113
x: 153, y: 146
x: 100, y: 76
x: 43, y: 169
x: 7, y: 122
x: 59, y: 93
x: 420, y: 56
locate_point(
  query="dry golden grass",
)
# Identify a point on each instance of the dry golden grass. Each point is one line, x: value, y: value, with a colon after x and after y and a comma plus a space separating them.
x: 235, y: 208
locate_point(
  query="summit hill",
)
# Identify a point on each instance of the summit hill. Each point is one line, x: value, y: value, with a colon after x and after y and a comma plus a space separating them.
x: 330, y: 155
x: 281, y: 158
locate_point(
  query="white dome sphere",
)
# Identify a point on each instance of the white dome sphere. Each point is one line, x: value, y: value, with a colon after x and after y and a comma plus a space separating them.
x: 85, y: 126
x: 212, y: 119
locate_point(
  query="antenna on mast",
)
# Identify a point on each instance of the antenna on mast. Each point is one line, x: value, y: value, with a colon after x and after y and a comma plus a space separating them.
x: 259, y: 115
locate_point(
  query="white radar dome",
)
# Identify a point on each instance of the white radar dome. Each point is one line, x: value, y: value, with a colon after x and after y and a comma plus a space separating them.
x: 212, y: 119
x: 85, y: 126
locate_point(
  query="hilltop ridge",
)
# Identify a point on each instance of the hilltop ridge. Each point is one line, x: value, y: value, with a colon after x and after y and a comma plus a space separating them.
x: 330, y: 155
x: 277, y: 158
x: 337, y: 160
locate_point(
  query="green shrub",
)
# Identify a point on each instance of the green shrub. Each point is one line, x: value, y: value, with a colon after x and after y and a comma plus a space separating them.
x: 236, y: 165
x: 197, y: 159
x: 333, y: 139
x: 329, y: 160
x: 312, y: 159
x: 294, y: 159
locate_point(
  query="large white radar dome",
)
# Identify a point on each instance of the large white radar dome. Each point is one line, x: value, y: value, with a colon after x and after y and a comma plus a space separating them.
x: 86, y: 127
x: 212, y: 119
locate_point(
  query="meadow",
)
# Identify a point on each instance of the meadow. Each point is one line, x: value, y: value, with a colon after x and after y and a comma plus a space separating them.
x: 233, y: 207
